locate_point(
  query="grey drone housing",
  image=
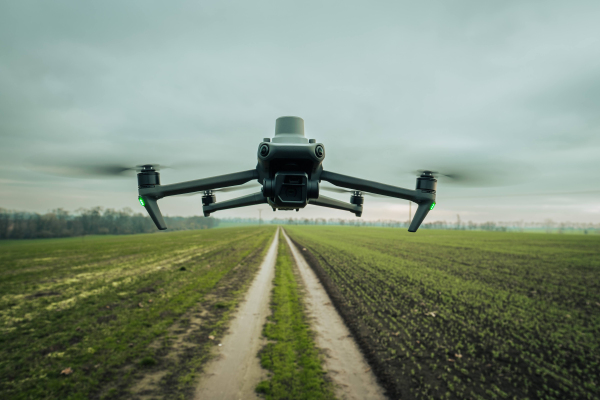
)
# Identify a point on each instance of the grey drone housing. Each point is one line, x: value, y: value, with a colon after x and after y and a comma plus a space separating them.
x: 288, y: 164
x: 290, y: 170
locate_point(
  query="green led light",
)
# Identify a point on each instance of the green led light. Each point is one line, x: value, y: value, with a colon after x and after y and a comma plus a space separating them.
x: 433, y: 205
x: 142, y: 202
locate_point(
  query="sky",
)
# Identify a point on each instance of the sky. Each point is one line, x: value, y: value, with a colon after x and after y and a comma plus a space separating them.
x: 508, y: 89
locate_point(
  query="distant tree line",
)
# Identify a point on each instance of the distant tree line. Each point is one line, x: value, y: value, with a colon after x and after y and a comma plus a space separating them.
x: 98, y: 221
x: 548, y: 225
x: 94, y: 221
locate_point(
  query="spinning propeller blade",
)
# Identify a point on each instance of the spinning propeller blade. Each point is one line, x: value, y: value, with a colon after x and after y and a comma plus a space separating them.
x: 101, y: 169
x: 234, y: 188
x: 341, y: 190
x: 466, y: 176
x: 472, y: 170
x: 227, y: 189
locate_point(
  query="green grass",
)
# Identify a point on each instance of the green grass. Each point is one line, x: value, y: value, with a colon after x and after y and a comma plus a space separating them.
x: 95, y: 304
x: 227, y: 224
x: 291, y: 356
x: 454, y: 314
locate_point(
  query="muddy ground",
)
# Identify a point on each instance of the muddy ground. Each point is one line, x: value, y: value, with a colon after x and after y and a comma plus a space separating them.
x: 235, y: 371
x: 215, y: 346
x: 368, y: 346
x: 344, y: 362
x: 183, y: 354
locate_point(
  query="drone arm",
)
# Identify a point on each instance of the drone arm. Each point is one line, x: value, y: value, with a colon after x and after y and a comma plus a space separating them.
x: 350, y: 182
x: 250, y: 200
x: 150, y: 195
x: 425, y: 200
x: 324, y: 201
x: 198, y: 185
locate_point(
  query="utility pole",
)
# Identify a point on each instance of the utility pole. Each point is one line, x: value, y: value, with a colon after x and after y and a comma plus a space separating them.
x: 259, y: 217
x: 409, y: 212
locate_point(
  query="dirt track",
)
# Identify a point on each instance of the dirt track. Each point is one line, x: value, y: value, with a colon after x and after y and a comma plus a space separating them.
x: 344, y: 362
x: 236, y: 371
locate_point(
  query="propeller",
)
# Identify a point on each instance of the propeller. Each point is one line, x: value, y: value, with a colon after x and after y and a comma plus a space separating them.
x: 115, y: 169
x: 466, y: 176
x: 234, y: 188
x: 226, y: 189
x: 453, y: 177
x: 341, y: 190
x: 100, y: 169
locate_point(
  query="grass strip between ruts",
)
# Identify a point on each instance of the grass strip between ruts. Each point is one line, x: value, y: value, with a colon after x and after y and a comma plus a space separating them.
x: 291, y: 355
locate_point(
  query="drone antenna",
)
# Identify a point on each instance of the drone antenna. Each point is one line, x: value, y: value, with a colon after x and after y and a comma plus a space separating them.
x: 289, y: 130
x: 289, y: 126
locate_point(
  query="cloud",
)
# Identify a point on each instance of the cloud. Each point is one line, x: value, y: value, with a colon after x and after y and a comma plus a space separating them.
x: 508, y: 88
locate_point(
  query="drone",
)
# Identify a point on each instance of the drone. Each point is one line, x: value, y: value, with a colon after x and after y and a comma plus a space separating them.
x: 290, y: 171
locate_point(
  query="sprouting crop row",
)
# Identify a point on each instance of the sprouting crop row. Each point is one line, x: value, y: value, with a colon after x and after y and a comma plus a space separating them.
x: 470, y: 314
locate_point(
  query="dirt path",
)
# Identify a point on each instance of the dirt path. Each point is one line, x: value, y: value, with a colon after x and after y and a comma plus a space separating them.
x: 344, y: 362
x: 236, y: 371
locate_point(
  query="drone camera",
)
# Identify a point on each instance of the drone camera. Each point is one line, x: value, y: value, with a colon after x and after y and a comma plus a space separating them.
x: 290, y: 189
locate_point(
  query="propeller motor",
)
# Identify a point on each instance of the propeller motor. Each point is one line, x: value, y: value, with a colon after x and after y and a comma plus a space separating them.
x: 148, y: 176
x: 427, y: 182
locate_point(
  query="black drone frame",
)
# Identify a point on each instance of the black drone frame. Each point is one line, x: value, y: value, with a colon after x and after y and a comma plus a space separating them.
x: 290, y: 171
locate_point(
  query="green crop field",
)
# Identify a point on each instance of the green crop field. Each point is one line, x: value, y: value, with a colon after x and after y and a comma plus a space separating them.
x: 85, y: 318
x: 438, y: 314
x: 459, y: 315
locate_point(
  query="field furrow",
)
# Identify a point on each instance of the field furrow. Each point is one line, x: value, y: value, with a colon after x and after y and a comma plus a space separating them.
x: 467, y: 314
x: 78, y: 314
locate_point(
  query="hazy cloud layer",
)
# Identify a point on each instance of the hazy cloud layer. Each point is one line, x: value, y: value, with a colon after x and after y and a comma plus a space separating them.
x: 510, y: 88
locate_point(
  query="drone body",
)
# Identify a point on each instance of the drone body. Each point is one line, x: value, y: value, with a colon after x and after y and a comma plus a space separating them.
x: 290, y: 170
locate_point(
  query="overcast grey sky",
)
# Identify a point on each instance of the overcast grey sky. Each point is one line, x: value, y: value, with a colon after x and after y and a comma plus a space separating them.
x: 507, y: 87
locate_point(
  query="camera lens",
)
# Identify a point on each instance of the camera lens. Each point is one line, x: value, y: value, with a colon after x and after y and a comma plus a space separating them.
x: 264, y: 150
x: 319, y: 151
